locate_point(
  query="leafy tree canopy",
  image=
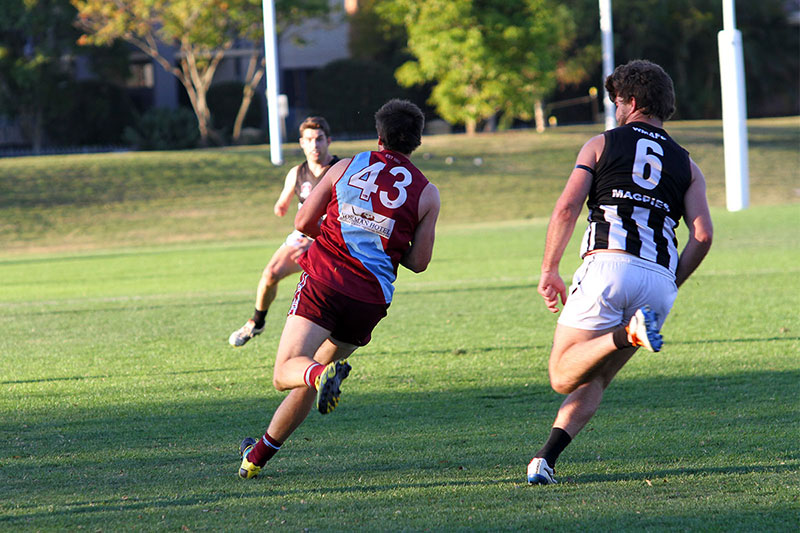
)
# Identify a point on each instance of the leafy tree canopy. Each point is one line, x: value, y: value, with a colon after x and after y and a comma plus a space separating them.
x: 681, y: 36
x: 486, y: 57
x: 34, y: 36
x: 202, y: 30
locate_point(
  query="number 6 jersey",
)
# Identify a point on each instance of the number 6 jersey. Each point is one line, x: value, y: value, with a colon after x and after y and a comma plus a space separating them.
x: 369, y: 224
x: 636, y: 198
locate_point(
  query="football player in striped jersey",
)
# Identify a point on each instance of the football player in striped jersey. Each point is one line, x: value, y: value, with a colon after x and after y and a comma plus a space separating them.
x: 638, y: 183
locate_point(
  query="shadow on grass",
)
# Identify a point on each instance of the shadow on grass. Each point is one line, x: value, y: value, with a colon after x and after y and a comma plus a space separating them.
x: 447, y: 409
x: 250, y: 365
x: 726, y: 341
x: 663, y: 475
x: 471, y: 439
x: 102, y: 505
x: 126, y: 375
x: 397, y: 353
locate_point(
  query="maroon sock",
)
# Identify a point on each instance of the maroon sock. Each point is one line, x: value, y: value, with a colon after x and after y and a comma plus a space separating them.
x: 311, y: 374
x: 263, y: 451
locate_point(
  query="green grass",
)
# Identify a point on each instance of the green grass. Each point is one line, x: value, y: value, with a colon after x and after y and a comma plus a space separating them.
x: 121, y: 404
x: 87, y: 202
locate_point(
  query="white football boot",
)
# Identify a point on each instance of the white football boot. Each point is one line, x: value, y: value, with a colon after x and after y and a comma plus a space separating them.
x: 540, y: 473
x: 244, y: 334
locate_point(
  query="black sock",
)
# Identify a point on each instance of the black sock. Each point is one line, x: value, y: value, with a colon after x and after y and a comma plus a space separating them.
x: 259, y: 317
x: 559, y: 439
x: 621, y: 338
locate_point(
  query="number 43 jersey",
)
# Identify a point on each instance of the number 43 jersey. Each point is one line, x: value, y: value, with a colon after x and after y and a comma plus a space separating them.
x: 636, y: 198
x: 369, y: 224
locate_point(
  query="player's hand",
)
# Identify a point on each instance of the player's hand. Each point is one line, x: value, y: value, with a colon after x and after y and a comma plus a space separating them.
x: 551, y: 286
x: 280, y: 210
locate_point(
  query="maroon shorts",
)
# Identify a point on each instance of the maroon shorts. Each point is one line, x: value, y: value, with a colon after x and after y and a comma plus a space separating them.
x: 348, y: 320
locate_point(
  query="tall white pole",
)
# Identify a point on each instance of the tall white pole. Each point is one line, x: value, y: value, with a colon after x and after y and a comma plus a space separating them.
x: 607, y: 34
x: 734, y: 111
x: 271, y: 56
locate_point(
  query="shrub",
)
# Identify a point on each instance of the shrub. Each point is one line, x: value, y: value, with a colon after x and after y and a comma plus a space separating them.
x: 224, y: 99
x: 164, y: 129
x: 348, y: 92
x: 94, y: 112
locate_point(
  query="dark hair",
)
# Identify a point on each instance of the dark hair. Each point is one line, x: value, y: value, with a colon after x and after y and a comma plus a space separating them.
x: 315, y: 123
x: 400, y: 124
x: 648, y: 83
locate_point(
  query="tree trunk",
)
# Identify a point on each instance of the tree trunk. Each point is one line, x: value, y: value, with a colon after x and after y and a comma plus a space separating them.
x: 471, y: 126
x: 201, y: 112
x: 252, y: 79
x: 203, y: 115
x: 38, y: 130
x: 538, y: 113
x: 197, y: 81
x: 491, y: 124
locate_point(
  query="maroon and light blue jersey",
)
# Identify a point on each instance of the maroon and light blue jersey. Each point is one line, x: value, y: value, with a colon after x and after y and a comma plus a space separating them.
x: 369, y: 225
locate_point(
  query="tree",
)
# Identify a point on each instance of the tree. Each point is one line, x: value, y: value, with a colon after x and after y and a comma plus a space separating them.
x: 375, y: 38
x: 288, y: 14
x: 380, y: 44
x: 681, y: 36
x: 35, y: 35
x: 348, y: 91
x: 202, y: 30
x: 487, y: 57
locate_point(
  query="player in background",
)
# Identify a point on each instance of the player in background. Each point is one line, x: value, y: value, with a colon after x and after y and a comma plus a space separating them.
x: 315, y: 140
x: 639, y: 184
x: 380, y: 212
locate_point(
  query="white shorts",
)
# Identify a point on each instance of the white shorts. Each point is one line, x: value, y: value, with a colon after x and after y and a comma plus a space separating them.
x: 609, y: 287
x: 298, y: 240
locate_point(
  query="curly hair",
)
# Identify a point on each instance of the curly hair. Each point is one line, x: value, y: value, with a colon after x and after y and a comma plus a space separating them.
x: 648, y: 83
x: 400, y: 124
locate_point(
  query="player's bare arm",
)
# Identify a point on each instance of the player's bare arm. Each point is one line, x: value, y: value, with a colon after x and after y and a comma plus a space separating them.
x: 285, y: 198
x: 563, y: 219
x: 419, y: 255
x: 698, y: 221
x: 309, y: 215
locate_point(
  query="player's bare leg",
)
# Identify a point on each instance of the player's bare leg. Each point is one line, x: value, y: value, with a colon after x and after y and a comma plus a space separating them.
x: 281, y: 265
x: 585, y: 383
x: 578, y: 354
x: 581, y: 404
x: 296, y: 406
x: 294, y: 409
x: 300, y: 341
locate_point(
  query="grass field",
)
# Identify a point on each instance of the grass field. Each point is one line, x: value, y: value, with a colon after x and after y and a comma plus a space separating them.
x: 122, y: 406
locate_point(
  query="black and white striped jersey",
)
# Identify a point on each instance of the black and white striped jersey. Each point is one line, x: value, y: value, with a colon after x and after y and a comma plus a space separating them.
x: 636, y: 198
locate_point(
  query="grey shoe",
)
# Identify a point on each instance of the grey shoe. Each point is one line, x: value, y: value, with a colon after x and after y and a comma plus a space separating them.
x: 245, y: 333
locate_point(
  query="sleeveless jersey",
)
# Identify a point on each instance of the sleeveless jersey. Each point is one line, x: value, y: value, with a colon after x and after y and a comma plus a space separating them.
x: 636, y: 197
x: 369, y: 225
x: 306, y: 180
